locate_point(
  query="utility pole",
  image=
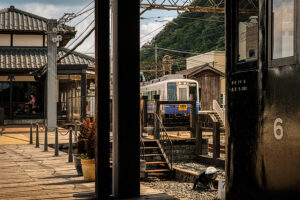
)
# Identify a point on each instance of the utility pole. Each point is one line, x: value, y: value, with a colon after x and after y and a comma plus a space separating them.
x: 52, y: 74
x: 156, y: 75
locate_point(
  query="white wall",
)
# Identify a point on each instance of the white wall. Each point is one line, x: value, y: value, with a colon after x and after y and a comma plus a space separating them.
x: 214, y: 58
x: 4, y: 39
x: 28, y: 40
x: 199, y: 60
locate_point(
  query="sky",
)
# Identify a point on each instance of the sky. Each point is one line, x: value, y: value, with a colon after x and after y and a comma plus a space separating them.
x: 152, y: 22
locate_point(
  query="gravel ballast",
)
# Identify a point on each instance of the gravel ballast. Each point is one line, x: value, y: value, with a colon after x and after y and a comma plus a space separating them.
x: 183, y: 190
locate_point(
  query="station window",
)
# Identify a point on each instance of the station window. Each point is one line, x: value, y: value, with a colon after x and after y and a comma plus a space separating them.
x: 282, y: 28
x: 247, y: 30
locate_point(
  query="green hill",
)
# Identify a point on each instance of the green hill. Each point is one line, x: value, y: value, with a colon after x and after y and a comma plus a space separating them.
x: 189, y: 32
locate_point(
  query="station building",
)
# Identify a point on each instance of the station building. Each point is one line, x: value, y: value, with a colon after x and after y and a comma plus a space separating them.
x: 23, y: 56
x: 209, y: 70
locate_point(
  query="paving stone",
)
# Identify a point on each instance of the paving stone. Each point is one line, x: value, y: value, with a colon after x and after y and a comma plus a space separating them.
x: 27, y: 173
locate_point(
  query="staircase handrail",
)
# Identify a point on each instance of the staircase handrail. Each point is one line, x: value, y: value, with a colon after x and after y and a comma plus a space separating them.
x: 219, y: 110
x: 165, y: 137
x: 143, y: 146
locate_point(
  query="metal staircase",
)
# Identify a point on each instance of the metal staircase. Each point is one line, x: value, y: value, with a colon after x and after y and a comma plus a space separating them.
x: 156, y: 162
x: 219, y: 113
x: 158, y: 154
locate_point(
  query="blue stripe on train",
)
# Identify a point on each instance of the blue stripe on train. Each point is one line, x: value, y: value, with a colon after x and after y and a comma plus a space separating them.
x: 171, y: 109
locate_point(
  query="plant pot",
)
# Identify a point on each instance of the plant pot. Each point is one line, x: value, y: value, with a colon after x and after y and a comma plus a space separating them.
x: 77, y: 162
x: 88, y: 169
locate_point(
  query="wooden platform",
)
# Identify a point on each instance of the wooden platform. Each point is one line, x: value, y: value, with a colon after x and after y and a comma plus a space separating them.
x: 20, y: 134
x: 27, y: 172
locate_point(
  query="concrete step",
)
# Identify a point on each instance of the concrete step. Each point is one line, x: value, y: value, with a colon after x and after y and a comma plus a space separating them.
x: 157, y: 170
x: 156, y: 163
x: 150, y: 147
x: 150, y: 155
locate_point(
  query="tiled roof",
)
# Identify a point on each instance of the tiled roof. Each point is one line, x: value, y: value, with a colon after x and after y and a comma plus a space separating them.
x: 12, y: 59
x: 195, y: 70
x: 12, y: 19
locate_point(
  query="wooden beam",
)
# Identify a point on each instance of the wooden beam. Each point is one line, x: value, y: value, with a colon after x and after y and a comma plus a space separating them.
x: 103, y: 172
x: 126, y: 109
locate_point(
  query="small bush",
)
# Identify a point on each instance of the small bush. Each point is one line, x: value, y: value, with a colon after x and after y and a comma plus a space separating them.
x: 87, y: 139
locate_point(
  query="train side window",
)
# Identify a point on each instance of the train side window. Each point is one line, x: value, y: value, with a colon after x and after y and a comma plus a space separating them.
x: 247, y: 30
x: 283, y: 19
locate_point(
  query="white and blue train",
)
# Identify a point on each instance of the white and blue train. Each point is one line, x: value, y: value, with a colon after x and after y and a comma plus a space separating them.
x: 173, y: 87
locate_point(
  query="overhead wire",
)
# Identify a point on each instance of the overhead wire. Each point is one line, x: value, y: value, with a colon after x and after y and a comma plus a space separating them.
x: 207, y: 20
x: 152, y: 31
x: 85, y: 7
x: 85, y: 30
x: 182, y: 51
x: 68, y: 19
x: 85, y: 11
x: 77, y: 45
x: 84, y: 18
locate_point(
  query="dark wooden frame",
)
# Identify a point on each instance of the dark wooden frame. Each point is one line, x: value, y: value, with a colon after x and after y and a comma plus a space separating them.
x: 126, y: 114
x: 241, y: 65
x: 102, y: 38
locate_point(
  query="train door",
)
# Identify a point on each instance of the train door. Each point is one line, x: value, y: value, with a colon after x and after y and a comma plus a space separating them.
x: 262, y: 99
x: 182, y: 92
x: 278, y: 150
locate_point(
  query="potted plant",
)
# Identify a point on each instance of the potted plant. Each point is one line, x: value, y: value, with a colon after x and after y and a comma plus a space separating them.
x: 88, y: 131
x: 81, y: 148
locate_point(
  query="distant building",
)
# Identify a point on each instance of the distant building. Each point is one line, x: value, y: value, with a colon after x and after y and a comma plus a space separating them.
x: 216, y: 61
x: 248, y: 39
x: 209, y: 79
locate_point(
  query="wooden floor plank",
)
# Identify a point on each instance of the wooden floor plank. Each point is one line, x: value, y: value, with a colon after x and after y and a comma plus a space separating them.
x: 27, y: 173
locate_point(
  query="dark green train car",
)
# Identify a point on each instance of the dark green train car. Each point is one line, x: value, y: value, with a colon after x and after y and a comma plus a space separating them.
x: 263, y: 95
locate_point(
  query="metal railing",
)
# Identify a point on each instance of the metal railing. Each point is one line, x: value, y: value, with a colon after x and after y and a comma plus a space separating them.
x: 44, y: 128
x: 220, y: 111
x: 143, y: 147
x: 165, y: 141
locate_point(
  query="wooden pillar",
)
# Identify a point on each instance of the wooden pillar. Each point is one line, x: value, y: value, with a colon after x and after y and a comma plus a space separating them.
x: 102, y: 38
x: 156, y: 120
x: 59, y: 104
x: 51, y: 74
x: 193, y: 113
x: 126, y: 102
x: 216, y: 140
x: 198, y: 136
x: 11, y: 77
x: 145, y: 111
x: 83, y: 95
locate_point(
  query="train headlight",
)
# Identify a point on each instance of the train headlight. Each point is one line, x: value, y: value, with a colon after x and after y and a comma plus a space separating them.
x: 182, y: 83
